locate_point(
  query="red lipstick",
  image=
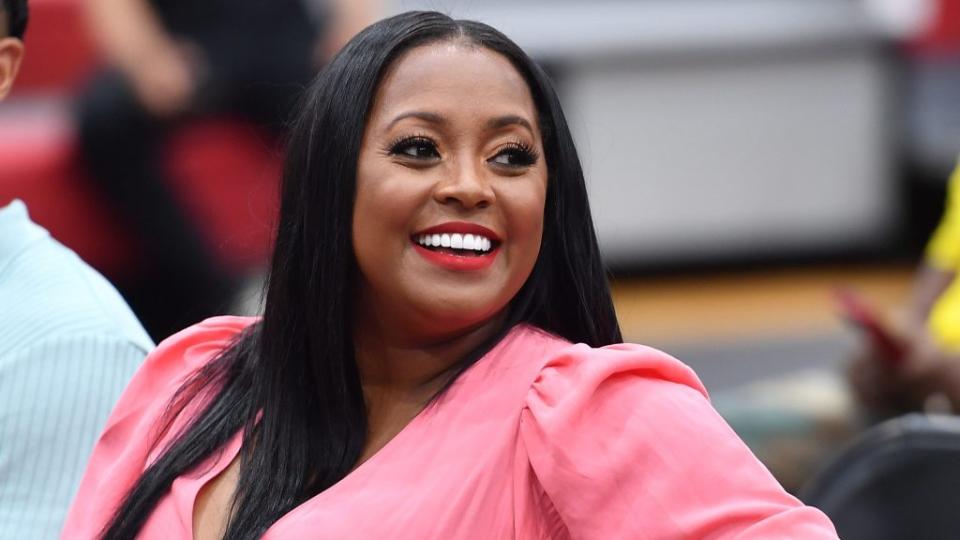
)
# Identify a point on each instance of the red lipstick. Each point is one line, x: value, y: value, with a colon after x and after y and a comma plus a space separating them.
x: 451, y: 260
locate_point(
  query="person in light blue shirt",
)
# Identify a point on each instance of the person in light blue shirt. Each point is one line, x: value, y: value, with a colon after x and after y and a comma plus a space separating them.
x: 68, y: 346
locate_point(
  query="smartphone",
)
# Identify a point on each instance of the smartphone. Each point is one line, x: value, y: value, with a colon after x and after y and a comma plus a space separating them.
x: 855, y: 310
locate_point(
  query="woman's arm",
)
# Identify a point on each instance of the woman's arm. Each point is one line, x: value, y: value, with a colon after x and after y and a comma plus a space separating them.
x: 625, y: 444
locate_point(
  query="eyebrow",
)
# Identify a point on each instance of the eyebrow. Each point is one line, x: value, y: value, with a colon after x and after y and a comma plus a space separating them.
x: 509, y: 120
x: 492, y: 124
x: 433, y: 118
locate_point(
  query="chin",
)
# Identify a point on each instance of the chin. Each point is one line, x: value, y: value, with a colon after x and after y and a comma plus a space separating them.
x: 455, y: 314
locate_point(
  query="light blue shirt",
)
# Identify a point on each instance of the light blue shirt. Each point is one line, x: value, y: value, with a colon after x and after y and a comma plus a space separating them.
x: 68, y: 346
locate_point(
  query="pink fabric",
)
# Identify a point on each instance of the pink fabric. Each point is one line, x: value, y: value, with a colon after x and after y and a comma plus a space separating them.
x: 539, y: 439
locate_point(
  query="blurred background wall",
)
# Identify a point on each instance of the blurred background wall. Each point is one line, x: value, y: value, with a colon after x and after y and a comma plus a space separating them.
x: 718, y: 129
x: 710, y: 130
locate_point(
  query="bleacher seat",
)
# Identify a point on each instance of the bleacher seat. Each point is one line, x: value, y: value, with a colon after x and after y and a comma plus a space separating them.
x: 896, y: 482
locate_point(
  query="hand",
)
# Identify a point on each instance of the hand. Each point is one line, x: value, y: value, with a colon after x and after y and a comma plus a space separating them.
x: 166, y: 79
x: 874, y: 381
x: 931, y: 371
x: 926, y: 371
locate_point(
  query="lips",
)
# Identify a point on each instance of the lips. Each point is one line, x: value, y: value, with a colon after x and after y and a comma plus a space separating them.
x: 459, y: 246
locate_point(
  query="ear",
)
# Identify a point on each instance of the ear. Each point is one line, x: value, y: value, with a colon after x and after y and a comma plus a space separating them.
x: 11, y: 52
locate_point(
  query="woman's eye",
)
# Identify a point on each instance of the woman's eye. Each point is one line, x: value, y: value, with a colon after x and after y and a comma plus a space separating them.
x: 515, y: 157
x: 416, y: 148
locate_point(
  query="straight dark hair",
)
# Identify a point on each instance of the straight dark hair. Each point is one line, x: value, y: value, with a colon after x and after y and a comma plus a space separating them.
x: 17, y: 14
x: 290, y: 381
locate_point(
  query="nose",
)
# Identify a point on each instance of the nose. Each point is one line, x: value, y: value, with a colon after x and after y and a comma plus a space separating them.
x: 464, y: 184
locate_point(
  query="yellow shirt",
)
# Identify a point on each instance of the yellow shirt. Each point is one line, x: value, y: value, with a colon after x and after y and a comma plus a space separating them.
x: 943, y: 252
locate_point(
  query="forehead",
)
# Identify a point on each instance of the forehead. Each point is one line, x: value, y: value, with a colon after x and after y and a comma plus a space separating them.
x: 453, y: 78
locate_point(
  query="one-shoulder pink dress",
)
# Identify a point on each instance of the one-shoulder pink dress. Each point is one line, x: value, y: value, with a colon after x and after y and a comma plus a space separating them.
x: 539, y: 439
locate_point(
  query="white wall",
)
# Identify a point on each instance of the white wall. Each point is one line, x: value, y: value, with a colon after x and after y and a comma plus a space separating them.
x: 716, y: 128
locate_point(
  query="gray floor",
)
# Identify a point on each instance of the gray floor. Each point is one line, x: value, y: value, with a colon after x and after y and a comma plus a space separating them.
x: 723, y: 366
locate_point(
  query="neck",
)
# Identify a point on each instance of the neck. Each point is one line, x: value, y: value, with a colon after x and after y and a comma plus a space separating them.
x: 390, y: 360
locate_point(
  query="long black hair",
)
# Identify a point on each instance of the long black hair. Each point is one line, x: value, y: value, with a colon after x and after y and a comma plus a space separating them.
x: 290, y: 381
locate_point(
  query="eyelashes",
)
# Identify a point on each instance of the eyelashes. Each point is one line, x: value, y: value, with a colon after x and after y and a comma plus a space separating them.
x: 515, y: 154
x: 419, y: 147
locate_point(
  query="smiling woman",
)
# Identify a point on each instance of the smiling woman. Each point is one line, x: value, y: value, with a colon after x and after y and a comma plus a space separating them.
x: 439, y: 356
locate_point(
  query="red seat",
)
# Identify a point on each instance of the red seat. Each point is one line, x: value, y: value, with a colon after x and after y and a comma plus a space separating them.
x: 942, y: 37
x: 38, y: 164
x: 224, y: 172
x: 228, y: 176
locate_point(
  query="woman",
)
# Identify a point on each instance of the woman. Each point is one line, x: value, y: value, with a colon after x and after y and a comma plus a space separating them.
x: 413, y: 374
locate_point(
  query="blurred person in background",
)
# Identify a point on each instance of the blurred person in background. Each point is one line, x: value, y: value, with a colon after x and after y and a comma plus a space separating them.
x: 68, y: 346
x: 928, y: 375
x: 797, y: 422
x: 794, y: 434
x: 168, y: 61
x: 928, y: 327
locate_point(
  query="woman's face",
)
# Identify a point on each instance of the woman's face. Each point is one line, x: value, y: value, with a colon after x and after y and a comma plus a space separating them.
x: 451, y: 187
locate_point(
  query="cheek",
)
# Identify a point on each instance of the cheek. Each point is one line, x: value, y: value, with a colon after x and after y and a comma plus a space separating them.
x: 373, y: 219
x: 525, y: 211
x: 386, y: 204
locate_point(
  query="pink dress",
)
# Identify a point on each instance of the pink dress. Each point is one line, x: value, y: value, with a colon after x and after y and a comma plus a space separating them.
x: 539, y: 439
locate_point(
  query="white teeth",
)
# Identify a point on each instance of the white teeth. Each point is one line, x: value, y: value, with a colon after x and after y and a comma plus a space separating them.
x: 472, y: 242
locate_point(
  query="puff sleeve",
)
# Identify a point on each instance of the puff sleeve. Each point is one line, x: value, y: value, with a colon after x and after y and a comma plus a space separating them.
x: 625, y: 444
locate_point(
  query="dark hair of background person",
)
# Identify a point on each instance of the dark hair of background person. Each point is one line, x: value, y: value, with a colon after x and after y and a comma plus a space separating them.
x: 296, y: 366
x: 16, y: 14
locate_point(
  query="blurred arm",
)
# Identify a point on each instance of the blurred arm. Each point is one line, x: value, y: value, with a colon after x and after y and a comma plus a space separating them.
x: 929, y: 283
x: 133, y: 39
x: 347, y: 18
x: 127, y: 31
x: 925, y: 370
